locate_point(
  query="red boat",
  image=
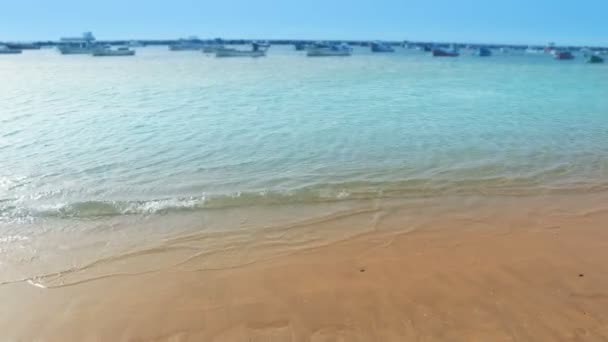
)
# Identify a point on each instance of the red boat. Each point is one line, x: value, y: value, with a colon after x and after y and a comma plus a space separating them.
x: 564, y: 55
x: 443, y: 53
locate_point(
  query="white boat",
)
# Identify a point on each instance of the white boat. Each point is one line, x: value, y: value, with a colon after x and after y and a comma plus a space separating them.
x: 257, y: 50
x: 186, y: 46
x: 78, y: 45
x: 341, y: 50
x: 192, y: 43
x: 239, y: 53
x: 109, y: 52
x: 5, y: 50
x: 381, y: 47
x: 213, y: 48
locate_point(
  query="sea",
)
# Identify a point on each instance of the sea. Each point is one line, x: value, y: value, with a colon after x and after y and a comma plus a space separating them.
x: 103, y: 159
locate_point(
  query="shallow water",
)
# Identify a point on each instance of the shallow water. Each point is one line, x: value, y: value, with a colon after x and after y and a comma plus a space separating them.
x: 87, y: 141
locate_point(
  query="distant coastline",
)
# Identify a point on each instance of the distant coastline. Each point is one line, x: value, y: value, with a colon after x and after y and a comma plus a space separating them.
x: 160, y: 42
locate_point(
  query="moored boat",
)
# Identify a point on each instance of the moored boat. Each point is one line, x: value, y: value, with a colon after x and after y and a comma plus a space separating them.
x: 109, y: 52
x: 256, y: 51
x: 192, y: 43
x: 563, y: 55
x: 483, y: 52
x: 23, y: 46
x: 239, y: 53
x: 595, y: 59
x: 213, y: 48
x: 84, y: 45
x: 341, y: 50
x: 300, y: 46
x: 186, y: 46
x: 381, y: 47
x: 445, y: 53
x: 5, y: 50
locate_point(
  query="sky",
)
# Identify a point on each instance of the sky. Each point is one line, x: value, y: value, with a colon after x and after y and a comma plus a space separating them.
x: 476, y: 21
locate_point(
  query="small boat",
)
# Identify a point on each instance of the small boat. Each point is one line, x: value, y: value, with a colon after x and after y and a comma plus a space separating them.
x: 256, y: 51
x: 23, y: 46
x: 319, y: 50
x: 84, y: 45
x: 192, y: 43
x: 186, y: 46
x: 445, y: 53
x: 109, y: 52
x: 5, y: 50
x: 563, y: 55
x: 595, y: 59
x: 300, y: 46
x: 483, y: 52
x: 381, y: 47
x: 213, y: 48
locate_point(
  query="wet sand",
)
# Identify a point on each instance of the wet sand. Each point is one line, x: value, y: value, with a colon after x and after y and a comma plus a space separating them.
x: 516, y: 270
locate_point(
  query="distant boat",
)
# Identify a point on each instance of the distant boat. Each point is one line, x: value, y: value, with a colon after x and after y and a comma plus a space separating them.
x: 563, y: 55
x: 258, y: 50
x: 5, y: 50
x: 595, y: 59
x: 381, y: 47
x: 186, y: 46
x: 109, y: 52
x: 341, y: 50
x: 445, y: 53
x: 23, y: 46
x: 213, y: 47
x: 79, y: 45
x: 189, y: 44
x: 483, y: 52
x: 300, y: 46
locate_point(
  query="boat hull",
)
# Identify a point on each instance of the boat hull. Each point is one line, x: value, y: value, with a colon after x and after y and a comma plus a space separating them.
x: 76, y: 51
x: 595, y: 60
x: 212, y: 49
x: 328, y: 53
x: 10, y: 52
x: 236, y: 53
x: 382, y: 49
x: 442, y: 53
x: 483, y: 53
x: 185, y: 48
x: 564, y: 56
x: 113, y: 53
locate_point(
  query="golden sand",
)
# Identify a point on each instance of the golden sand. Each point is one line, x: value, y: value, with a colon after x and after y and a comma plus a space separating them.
x: 516, y: 270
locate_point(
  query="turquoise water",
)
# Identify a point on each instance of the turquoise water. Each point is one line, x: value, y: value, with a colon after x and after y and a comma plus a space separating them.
x: 84, y: 137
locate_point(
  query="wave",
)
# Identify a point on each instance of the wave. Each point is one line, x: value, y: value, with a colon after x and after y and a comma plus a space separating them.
x: 348, y: 191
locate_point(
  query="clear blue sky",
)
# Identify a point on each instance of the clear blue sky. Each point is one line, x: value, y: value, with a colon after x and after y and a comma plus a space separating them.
x: 503, y: 21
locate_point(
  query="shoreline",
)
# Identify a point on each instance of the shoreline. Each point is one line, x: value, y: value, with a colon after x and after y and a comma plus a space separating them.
x: 457, y: 269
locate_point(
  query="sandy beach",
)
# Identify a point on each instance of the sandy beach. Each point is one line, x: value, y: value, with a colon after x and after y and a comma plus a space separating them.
x: 521, y: 269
